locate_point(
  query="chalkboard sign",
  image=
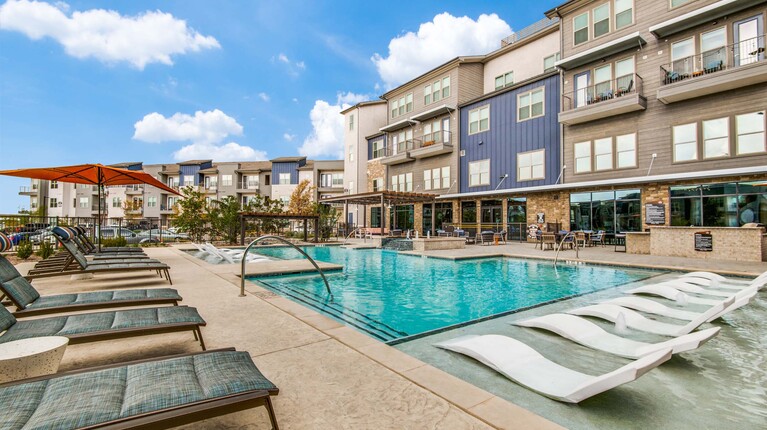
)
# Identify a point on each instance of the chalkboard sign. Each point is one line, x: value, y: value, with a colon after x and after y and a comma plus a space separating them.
x: 704, y: 241
x: 655, y: 214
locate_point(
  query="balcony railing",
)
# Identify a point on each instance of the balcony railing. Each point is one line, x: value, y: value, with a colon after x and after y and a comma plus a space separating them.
x: 441, y: 136
x: 249, y: 185
x: 32, y: 189
x: 403, y: 147
x: 602, y: 91
x: 715, y: 60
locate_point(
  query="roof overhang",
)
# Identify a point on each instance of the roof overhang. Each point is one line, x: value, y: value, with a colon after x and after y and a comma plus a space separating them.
x: 633, y: 40
x: 397, y: 125
x: 389, y: 197
x: 617, y: 181
x: 701, y: 16
x: 431, y: 113
x: 375, y: 135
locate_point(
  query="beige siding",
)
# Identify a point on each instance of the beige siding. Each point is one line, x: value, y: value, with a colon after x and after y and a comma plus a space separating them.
x: 525, y: 61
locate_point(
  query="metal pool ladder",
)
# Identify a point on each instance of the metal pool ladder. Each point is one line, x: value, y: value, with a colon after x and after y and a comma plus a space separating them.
x: 559, y: 248
x: 279, y: 239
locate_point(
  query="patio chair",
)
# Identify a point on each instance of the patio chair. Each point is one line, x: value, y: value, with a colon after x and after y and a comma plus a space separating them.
x: 152, y: 393
x: 568, y: 240
x: 586, y: 333
x: 598, y: 238
x: 580, y: 239
x: 395, y: 232
x: 77, y: 263
x: 471, y: 237
x: 94, y: 327
x: 29, y: 302
x: 486, y: 237
x: 636, y: 321
x: 527, y: 367
x: 548, y: 241
x: 450, y: 230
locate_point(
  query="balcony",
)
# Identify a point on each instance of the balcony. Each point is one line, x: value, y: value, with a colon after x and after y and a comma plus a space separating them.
x: 701, y: 16
x: 167, y: 210
x: 603, y: 100
x: 28, y: 191
x: 248, y: 186
x: 440, y: 143
x: 209, y: 189
x: 723, y: 69
x: 134, y: 189
x: 399, y: 153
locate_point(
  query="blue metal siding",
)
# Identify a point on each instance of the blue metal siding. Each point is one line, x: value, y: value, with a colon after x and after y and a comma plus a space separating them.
x: 189, y: 170
x: 137, y: 166
x: 507, y: 137
x: 370, y: 145
x: 290, y: 167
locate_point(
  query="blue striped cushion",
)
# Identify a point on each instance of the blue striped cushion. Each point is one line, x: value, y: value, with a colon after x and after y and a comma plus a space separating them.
x: 6, y: 319
x: 62, y: 233
x: 20, y: 291
x: 5, y: 243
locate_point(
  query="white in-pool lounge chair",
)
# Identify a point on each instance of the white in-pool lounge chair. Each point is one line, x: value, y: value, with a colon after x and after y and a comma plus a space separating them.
x: 760, y: 280
x: 588, y: 334
x: 759, y: 283
x: 741, y: 297
x: 691, y: 288
x: 634, y: 320
x: 525, y: 366
x: 652, y: 307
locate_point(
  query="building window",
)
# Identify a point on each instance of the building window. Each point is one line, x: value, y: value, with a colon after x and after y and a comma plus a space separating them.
x: 211, y: 182
x: 226, y: 180
x: 432, y: 132
x: 530, y: 165
x: 716, y: 138
x: 402, y: 106
x: 675, y: 3
x: 504, y: 80
x: 375, y: 217
x: 151, y: 202
x: 379, y: 150
x: 436, y: 91
x: 331, y: 180
x: 54, y: 185
x: 582, y: 157
x: 712, y: 49
x: 479, y: 173
x: 435, y: 179
x: 530, y: 105
x: 351, y: 154
x: 351, y: 187
x: 394, y: 108
x: 378, y: 184
x: 603, y: 77
x: 718, y: 205
x: 409, y: 102
x: 603, y: 153
x: 84, y: 202
x: 624, y: 13
x: 625, y: 147
x: 427, y: 179
x: 624, y: 75
x: 479, y: 120
x: 267, y: 180
x: 351, y: 122
x: 685, y: 142
x: 116, y: 202
x: 403, y: 141
x: 681, y: 56
x: 610, y: 211
x: 581, y: 28
x: 285, y: 178
x: 53, y: 202
x: 750, y: 129
x: 548, y: 64
x: 602, y: 20
x: 402, y: 182
x: 446, y: 177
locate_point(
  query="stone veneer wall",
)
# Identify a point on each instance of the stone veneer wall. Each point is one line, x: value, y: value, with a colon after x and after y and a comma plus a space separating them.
x: 729, y: 243
x: 637, y: 243
x: 555, y: 206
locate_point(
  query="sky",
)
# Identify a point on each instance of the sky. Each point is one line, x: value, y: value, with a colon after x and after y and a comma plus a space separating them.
x: 173, y: 80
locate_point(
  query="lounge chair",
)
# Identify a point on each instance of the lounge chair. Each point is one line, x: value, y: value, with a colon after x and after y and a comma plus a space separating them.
x: 77, y: 264
x: 741, y: 298
x: 653, y: 307
x: 93, y: 327
x: 692, y: 288
x: 588, y: 334
x: 636, y: 321
x: 525, y: 366
x: 83, y: 238
x: 155, y: 393
x: 717, y: 281
x: 29, y: 302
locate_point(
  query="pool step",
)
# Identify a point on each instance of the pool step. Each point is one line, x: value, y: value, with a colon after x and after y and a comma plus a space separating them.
x: 345, y: 315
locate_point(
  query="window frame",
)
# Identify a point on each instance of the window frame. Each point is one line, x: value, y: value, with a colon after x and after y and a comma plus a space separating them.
x: 763, y: 132
x: 595, y: 155
x: 557, y: 56
x: 618, y: 152
x: 530, y: 94
x: 531, y: 166
x: 696, y: 146
x: 594, y: 21
x: 615, y: 15
x: 479, y: 119
x: 590, y: 156
x: 671, y: 4
x: 727, y: 137
x: 478, y: 174
x: 587, y: 28
x: 351, y: 122
x: 280, y: 178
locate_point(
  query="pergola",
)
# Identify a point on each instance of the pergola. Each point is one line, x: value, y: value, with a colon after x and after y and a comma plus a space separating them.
x: 244, y: 216
x: 382, y: 198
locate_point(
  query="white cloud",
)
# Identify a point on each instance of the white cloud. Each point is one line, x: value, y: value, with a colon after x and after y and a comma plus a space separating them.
x: 151, y: 37
x: 264, y: 96
x: 436, y: 42
x: 228, y: 152
x: 288, y: 137
x: 295, y: 100
x: 293, y: 67
x: 282, y: 57
x: 204, y: 127
x: 327, y: 136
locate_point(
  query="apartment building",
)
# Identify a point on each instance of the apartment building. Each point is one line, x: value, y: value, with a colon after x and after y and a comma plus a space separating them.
x: 663, y: 110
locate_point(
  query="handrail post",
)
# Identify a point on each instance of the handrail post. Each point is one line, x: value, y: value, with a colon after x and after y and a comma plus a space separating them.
x: 279, y: 239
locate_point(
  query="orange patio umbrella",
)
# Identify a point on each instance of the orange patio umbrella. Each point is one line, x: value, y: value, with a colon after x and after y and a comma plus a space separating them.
x: 93, y: 174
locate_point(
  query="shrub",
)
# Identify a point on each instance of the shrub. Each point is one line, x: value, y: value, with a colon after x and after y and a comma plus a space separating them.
x: 24, y: 249
x: 46, y: 250
x: 115, y: 241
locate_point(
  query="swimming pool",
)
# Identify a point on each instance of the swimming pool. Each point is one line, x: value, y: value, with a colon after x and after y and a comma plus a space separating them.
x: 393, y: 296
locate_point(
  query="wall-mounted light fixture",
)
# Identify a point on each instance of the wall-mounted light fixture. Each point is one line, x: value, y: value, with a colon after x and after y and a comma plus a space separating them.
x: 480, y: 142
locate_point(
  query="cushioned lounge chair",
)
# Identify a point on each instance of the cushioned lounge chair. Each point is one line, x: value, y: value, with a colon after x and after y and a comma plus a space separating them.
x: 634, y: 320
x: 155, y: 393
x: 29, y: 302
x: 588, y: 334
x: 93, y: 327
x: 77, y: 264
x: 83, y: 238
x: 528, y: 368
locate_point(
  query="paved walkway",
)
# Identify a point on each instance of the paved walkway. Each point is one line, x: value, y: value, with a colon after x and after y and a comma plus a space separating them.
x: 329, y: 375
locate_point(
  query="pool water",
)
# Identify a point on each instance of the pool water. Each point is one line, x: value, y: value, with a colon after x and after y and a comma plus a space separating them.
x: 392, y: 296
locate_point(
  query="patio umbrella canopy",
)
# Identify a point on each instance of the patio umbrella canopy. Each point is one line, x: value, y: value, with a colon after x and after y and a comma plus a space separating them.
x: 93, y: 174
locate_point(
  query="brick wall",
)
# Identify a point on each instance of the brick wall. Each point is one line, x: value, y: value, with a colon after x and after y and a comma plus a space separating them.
x: 729, y: 243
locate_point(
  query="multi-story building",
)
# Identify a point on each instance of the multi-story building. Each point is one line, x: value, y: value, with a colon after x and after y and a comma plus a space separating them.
x: 664, y: 105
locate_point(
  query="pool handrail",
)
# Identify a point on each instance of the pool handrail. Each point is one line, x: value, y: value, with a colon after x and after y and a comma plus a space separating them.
x: 364, y: 235
x: 561, y: 242
x: 279, y: 239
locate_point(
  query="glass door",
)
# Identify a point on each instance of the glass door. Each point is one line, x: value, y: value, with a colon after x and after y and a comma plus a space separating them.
x: 749, y: 46
x: 582, y: 96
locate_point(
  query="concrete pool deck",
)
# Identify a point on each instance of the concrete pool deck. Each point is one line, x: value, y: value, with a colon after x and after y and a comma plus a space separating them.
x: 330, y: 375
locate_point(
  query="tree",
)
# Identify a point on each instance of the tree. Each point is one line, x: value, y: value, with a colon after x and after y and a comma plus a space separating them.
x: 301, y: 199
x: 132, y: 209
x: 328, y: 219
x: 192, y: 216
x: 225, y: 218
